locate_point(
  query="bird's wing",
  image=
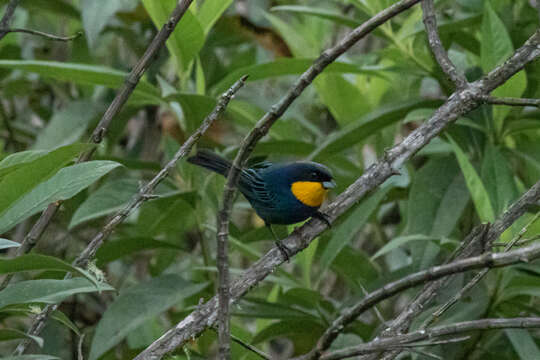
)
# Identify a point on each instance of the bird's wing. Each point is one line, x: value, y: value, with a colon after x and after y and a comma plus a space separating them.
x: 254, y: 188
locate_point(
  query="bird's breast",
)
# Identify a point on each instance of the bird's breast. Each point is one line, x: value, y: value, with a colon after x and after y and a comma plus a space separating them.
x: 309, y: 193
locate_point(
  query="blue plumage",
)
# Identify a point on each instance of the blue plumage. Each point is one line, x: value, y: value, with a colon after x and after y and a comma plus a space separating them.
x: 267, y: 186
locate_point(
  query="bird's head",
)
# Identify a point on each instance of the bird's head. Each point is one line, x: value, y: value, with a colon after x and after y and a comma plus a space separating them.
x: 310, y: 182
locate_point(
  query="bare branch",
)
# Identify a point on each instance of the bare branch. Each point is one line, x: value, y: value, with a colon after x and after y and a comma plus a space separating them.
x: 261, y: 129
x: 430, y: 21
x: 511, y: 101
x: 6, y: 19
x: 454, y: 299
x: 42, y: 34
x: 114, y: 108
x: 480, y: 238
x: 459, y: 103
x: 142, y: 196
x: 451, y: 329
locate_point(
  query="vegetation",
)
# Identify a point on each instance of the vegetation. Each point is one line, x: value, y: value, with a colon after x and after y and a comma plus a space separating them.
x: 67, y: 180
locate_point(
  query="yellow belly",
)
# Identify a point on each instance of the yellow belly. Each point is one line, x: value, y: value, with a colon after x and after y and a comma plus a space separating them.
x: 309, y: 193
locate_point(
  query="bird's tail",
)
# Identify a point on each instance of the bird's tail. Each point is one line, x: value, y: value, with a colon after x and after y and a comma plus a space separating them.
x: 211, y: 161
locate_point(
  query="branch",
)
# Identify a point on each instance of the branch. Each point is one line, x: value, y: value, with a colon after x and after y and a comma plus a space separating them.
x: 143, y: 195
x: 459, y: 103
x: 451, y: 329
x: 488, y: 260
x: 41, y: 33
x: 430, y: 22
x: 114, y: 108
x: 454, y: 299
x: 511, y: 101
x: 261, y: 129
x: 480, y: 238
x: 6, y: 19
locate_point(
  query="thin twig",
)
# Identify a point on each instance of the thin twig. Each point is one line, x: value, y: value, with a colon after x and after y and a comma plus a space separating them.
x: 430, y: 22
x: 89, y: 252
x: 451, y: 329
x: 519, y: 243
x: 80, y: 355
x: 261, y: 129
x: 459, y: 103
x: 480, y: 238
x: 114, y: 108
x: 42, y: 34
x: 511, y: 101
x: 8, y: 15
x: 443, y: 308
x: 247, y: 346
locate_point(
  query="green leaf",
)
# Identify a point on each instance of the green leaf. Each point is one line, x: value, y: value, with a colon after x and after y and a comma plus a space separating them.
x: 47, y: 291
x: 32, y: 262
x: 6, y: 244
x: 188, y: 37
x: 113, y: 250
x: 475, y: 185
x: 368, y: 125
x: 32, y: 357
x: 341, y: 97
x: 319, y: 12
x: 13, y: 334
x: 347, y: 229
x: 210, y: 12
x: 495, y: 49
x: 65, y: 184
x: 498, y: 178
x: 82, y: 74
x: 63, y: 319
x: 136, y: 305
x: 437, y: 211
x: 67, y: 125
x: 523, y: 343
x: 290, y: 66
x: 15, y: 160
x: 21, y: 177
x: 106, y: 200
x: 400, y: 241
x: 96, y: 14
x: 261, y: 309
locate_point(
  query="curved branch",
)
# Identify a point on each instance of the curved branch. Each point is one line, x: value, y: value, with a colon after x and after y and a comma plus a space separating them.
x: 143, y: 195
x: 114, y: 108
x: 6, y: 19
x: 451, y: 329
x: 430, y: 22
x: 457, y: 104
x: 42, y: 34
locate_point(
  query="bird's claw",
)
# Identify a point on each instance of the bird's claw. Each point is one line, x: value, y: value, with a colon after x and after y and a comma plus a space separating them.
x: 323, y: 217
x: 284, y: 250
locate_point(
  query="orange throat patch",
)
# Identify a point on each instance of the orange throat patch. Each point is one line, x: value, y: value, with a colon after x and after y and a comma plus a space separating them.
x: 309, y: 193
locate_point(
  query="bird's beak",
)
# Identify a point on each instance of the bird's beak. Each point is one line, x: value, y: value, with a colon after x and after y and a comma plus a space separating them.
x: 329, y: 184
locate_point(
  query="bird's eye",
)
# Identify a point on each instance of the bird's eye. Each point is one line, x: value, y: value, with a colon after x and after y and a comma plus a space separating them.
x: 314, y: 175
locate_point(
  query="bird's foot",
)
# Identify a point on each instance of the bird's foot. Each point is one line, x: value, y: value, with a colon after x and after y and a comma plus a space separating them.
x: 284, y: 250
x: 323, y: 217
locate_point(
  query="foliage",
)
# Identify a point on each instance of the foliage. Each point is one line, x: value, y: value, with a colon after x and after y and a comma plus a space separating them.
x: 161, y: 261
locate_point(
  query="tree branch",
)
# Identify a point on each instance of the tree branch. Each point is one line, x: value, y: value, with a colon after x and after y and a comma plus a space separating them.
x: 451, y: 329
x: 41, y: 33
x: 480, y: 238
x: 114, y: 108
x: 430, y: 22
x: 454, y: 299
x: 459, y: 103
x: 511, y: 101
x: 261, y: 129
x: 143, y: 195
x: 6, y: 19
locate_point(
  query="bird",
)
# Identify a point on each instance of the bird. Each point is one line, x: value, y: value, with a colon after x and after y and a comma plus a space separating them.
x: 280, y: 193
